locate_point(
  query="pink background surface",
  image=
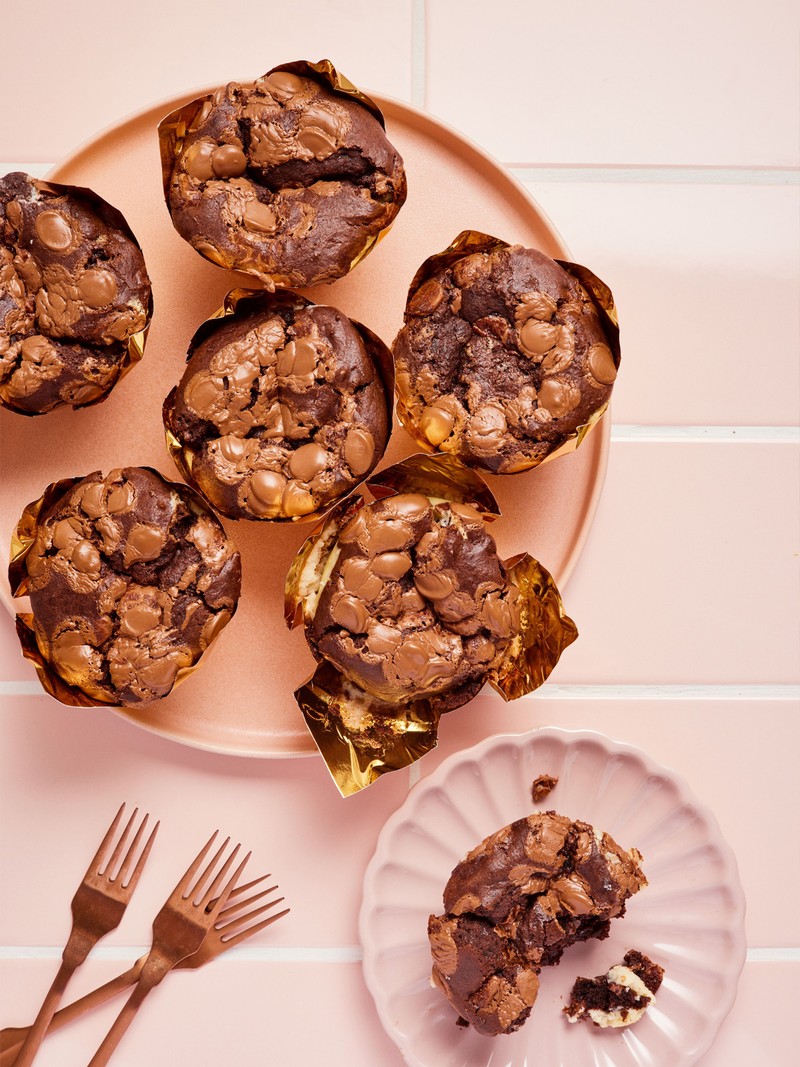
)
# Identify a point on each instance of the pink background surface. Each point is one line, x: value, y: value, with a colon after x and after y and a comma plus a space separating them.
x: 664, y: 146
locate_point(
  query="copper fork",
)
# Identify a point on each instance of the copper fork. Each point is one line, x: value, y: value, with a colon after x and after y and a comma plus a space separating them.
x: 179, y: 929
x: 231, y: 928
x: 97, y: 909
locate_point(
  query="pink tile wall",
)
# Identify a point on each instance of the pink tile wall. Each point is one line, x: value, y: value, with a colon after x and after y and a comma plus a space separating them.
x: 686, y: 84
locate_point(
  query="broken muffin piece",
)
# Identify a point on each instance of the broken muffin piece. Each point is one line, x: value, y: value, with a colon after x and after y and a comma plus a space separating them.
x: 618, y: 998
x: 515, y: 903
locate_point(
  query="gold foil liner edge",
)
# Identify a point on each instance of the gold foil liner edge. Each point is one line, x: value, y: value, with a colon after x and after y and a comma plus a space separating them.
x: 436, y: 475
x: 374, y: 741
x: 545, y: 630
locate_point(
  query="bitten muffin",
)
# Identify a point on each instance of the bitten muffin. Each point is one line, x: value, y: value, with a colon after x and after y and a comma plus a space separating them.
x: 515, y: 903
x: 618, y: 998
x: 130, y: 580
x: 286, y: 179
x: 73, y: 291
x: 502, y: 356
x: 282, y: 408
x: 417, y: 602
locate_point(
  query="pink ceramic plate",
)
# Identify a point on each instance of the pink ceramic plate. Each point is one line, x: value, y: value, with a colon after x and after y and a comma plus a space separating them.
x: 240, y: 701
x: 690, y: 918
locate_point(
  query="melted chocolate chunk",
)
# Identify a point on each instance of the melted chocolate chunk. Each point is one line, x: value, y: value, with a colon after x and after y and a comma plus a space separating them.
x: 501, y: 358
x: 130, y: 580
x: 515, y: 903
x: 286, y: 180
x: 73, y: 290
x: 282, y: 411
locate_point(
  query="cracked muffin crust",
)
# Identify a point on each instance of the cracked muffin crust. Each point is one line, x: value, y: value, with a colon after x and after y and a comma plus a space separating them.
x: 130, y: 580
x: 515, y: 903
x: 285, y: 179
x: 501, y: 358
x: 73, y: 290
x: 416, y: 603
x: 282, y: 408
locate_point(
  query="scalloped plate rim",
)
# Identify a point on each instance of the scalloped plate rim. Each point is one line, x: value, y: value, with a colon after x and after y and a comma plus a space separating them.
x: 568, y: 737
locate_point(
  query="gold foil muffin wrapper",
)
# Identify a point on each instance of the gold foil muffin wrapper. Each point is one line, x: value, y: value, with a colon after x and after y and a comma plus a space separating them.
x: 545, y: 630
x: 134, y: 346
x: 287, y: 300
x: 361, y: 737
x: 173, y: 128
x: 470, y: 242
x: 22, y: 539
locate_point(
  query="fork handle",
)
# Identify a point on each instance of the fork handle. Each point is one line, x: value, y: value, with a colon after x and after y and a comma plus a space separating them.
x: 121, y: 1024
x: 31, y: 1044
x: 11, y: 1037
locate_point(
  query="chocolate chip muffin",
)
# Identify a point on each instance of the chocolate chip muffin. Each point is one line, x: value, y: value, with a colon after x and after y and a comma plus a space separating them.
x: 74, y: 292
x: 618, y: 998
x: 286, y: 178
x: 515, y: 903
x: 282, y: 409
x: 130, y: 580
x: 503, y: 356
x: 416, y: 602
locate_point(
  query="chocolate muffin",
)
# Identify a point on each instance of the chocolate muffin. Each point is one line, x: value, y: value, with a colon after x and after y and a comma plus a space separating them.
x: 282, y: 408
x: 416, y: 603
x: 618, y: 998
x: 504, y: 354
x: 74, y: 292
x: 285, y: 178
x: 130, y: 580
x: 515, y: 903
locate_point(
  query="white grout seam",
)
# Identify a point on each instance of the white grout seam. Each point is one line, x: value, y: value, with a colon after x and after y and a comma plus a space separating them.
x: 305, y: 954
x: 655, y: 175
x: 418, y: 54
x: 699, y: 434
x: 549, y: 691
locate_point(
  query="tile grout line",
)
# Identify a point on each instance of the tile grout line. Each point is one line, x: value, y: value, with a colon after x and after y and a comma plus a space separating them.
x: 655, y: 174
x: 577, y: 691
x: 578, y: 173
x: 418, y: 54
x: 309, y: 953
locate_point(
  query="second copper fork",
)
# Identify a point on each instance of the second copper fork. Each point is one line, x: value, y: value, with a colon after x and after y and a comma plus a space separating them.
x: 236, y: 923
x: 97, y: 909
x: 179, y: 929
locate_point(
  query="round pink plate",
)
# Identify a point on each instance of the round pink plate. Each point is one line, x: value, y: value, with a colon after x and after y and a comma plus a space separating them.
x: 240, y: 701
x: 689, y: 919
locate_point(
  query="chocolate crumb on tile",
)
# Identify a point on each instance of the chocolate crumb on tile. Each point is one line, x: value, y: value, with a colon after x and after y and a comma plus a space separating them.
x: 618, y: 998
x: 515, y: 903
x: 542, y: 786
x: 130, y: 580
x: 73, y: 290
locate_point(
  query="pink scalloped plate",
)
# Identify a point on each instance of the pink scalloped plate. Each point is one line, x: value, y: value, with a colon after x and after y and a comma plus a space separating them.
x: 690, y: 918
x: 241, y: 700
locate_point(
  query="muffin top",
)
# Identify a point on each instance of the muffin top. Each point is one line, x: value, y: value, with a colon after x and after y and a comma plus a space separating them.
x: 73, y: 291
x: 130, y: 579
x: 502, y: 356
x: 281, y: 409
x: 285, y: 179
x: 417, y: 601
